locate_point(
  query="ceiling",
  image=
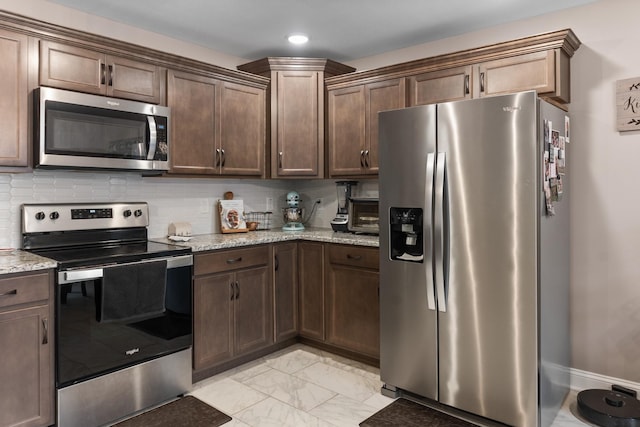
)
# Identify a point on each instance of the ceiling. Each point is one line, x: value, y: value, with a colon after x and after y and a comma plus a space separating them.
x: 342, y: 30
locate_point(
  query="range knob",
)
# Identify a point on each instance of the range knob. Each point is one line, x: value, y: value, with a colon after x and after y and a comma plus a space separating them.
x: 137, y: 213
x: 40, y: 216
x: 54, y: 215
x: 127, y: 213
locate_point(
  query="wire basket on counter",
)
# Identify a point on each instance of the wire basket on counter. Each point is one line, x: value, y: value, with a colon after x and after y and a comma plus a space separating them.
x: 262, y: 218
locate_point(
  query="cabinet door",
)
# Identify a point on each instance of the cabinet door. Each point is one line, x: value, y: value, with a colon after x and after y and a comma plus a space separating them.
x: 353, y: 312
x: 253, y: 310
x: 534, y: 71
x: 133, y: 80
x: 298, y: 146
x: 14, y: 145
x: 285, y: 267
x: 243, y: 130
x: 212, y: 320
x: 381, y: 96
x: 26, y: 378
x: 311, y: 287
x: 452, y: 84
x: 194, y: 101
x: 346, y: 131
x: 73, y: 68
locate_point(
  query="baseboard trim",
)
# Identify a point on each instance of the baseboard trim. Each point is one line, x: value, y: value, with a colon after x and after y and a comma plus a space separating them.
x: 581, y: 380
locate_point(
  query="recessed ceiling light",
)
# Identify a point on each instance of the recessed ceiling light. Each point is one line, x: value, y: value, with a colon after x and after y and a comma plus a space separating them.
x: 297, y: 38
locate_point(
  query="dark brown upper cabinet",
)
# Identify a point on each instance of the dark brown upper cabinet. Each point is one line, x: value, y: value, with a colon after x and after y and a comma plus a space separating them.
x: 297, y: 113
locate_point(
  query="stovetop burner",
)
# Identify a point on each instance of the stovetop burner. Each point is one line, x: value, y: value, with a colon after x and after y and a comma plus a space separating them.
x: 111, y: 254
x: 87, y: 234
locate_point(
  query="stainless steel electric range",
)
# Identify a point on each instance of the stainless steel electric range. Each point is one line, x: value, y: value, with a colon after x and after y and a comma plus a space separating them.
x: 123, y: 309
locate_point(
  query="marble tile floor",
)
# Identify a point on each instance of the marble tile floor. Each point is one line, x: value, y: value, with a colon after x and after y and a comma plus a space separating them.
x: 302, y: 386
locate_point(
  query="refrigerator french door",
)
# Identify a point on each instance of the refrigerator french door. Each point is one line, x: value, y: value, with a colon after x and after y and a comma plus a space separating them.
x: 464, y: 278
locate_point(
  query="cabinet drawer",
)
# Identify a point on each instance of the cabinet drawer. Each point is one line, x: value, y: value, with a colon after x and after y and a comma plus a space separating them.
x: 356, y: 256
x: 227, y: 260
x: 24, y: 289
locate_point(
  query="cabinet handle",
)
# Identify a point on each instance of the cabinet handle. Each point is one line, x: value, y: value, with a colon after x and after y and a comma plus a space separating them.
x: 110, y: 75
x: 481, y: 82
x: 361, y: 158
x: 466, y: 84
x: 233, y: 291
x: 280, y: 160
x: 8, y: 294
x: 366, y: 158
x: 45, y: 331
x: 217, y: 157
x: 277, y: 264
x: 103, y: 74
x: 224, y: 158
x: 354, y: 257
x: 237, y: 291
x: 234, y: 260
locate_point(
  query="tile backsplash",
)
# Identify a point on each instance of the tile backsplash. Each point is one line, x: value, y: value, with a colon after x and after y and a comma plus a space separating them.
x: 191, y: 200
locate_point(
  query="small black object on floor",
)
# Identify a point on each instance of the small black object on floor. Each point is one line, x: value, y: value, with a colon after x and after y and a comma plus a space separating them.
x: 405, y: 413
x: 618, y: 407
x: 184, y: 412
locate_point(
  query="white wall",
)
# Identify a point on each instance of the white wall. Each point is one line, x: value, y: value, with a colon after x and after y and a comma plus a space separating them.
x: 605, y: 202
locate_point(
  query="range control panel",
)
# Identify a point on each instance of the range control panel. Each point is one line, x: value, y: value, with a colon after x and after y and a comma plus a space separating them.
x: 41, y: 218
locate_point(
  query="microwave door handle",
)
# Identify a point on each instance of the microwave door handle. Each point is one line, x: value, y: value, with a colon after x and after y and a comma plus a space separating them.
x: 153, y: 137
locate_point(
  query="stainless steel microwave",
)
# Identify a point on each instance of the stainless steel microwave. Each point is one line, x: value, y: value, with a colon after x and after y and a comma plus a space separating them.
x: 78, y: 130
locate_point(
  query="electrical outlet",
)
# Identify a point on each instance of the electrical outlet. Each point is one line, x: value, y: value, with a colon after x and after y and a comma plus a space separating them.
x: 269, y: 204
x: 319, y: 201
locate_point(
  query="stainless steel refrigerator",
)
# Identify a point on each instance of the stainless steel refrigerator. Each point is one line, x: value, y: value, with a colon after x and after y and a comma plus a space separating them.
x: 474, y: 269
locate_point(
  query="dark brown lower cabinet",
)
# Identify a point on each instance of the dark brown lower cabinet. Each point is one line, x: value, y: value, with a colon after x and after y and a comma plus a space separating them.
x: 285, y: 278
x: 311, y: 288
x: 352, y: 299
x: 26, y: 351
x: 233, y: 305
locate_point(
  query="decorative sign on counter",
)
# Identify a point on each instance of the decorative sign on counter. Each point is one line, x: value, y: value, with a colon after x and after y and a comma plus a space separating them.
x: 232, y: 216
x: 628, y: 104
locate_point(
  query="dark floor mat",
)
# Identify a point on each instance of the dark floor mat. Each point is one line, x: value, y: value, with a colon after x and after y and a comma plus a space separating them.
x: 405, y: 413
x: 185, y: 412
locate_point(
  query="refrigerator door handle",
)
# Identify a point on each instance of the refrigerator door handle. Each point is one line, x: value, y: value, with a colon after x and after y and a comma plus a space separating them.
x: 428, y: 213
x: 439, y: 212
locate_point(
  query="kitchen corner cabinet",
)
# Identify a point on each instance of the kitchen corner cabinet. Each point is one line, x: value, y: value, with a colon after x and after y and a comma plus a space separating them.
x: 217, y: 127
x: 86, y: 70
x: 233, y: 305
x: 352, y: 299
x: 311, y: 290
x: 353, y: 124
x: 285, y: 279
x: 26, y: 350
x: 297, y: 115
x: 14, y: 56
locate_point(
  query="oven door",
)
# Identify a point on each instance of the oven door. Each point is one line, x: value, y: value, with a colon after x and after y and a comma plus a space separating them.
x: 112, y: 317
x: 78, y: 130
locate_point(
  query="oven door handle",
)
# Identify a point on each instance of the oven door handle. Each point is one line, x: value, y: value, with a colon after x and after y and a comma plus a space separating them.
x: 71, y: 276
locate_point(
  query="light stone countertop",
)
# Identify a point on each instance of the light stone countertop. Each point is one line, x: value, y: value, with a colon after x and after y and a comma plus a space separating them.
x: 18, y: 261
x: 209, y: 242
